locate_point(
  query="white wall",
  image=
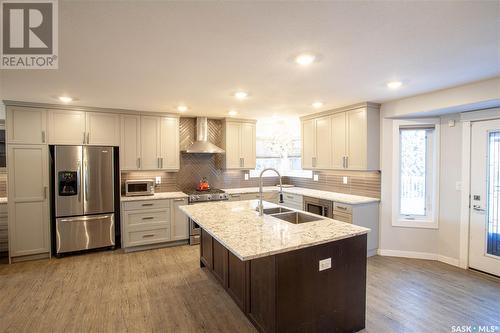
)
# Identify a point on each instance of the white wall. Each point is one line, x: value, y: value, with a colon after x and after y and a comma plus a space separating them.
x: 444, y: 241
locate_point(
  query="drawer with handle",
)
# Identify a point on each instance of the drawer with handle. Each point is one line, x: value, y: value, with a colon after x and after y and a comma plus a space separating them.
x: 293, y: 198
x: 341, y: 207
x: 146, y: 204
x: 149, y: 217
x: 148, y: 236
x: 343, y: 217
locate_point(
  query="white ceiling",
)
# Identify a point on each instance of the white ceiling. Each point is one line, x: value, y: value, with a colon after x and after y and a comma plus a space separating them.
x: 152, y: 56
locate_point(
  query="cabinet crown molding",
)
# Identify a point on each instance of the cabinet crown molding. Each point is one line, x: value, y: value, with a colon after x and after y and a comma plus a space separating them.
x: 369, y: 105
x: 240, y: 120
x: 50, y: 106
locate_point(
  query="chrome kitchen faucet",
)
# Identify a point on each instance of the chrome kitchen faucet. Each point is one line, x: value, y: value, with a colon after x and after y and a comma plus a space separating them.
x: 261, y: 206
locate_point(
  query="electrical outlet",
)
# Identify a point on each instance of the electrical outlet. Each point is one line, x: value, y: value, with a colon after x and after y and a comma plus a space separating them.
x: 451, y: 123
x: 158, y: 180
x: 315, y: 177
x: 344, y: 180
x: 247, y: 176
x: 325, y: 264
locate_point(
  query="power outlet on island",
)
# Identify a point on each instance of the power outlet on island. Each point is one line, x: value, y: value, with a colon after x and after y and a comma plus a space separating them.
x: 325, y: 264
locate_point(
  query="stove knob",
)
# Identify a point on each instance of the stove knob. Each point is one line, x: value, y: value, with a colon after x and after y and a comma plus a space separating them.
x: 209, y: 197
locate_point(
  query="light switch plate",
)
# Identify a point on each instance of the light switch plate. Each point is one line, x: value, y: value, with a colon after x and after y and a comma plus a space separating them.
x: 344, y: 180
x: 315, y: 177
x: 158, y: 180
x: 451, y: 123
x: 325, y: 264
x: 247, y: 176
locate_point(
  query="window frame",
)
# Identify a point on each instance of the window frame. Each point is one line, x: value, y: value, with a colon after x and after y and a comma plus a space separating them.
x: 430, y: 220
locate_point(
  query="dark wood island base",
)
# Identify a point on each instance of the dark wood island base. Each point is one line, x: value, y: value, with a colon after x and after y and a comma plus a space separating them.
x: 287, y: 292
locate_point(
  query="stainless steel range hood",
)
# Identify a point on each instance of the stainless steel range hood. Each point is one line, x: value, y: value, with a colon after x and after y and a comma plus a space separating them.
x: 201, y: 145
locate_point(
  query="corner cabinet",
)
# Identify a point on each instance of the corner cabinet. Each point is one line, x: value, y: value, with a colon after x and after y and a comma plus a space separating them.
x: 149, y: 143
x: 346, y: 138
x: 239, y: 143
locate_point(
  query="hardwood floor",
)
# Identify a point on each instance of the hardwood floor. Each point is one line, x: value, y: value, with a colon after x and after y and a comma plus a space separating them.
x: 165, y: 291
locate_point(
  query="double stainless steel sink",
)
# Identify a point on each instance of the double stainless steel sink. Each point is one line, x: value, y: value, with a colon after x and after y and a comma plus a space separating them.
x: 291, y: 216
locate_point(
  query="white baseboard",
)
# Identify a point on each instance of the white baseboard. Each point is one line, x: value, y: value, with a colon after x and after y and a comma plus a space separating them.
x: 419, y: 255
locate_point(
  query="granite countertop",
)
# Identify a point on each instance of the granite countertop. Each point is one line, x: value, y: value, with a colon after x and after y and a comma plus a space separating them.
x: 327, y: 195
x: 238, y: 227
x: 156, y: 196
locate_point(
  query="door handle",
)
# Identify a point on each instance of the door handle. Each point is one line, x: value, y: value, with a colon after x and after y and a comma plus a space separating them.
x: 45, y: 188
x: 478, y: 208
x: 343, y: 162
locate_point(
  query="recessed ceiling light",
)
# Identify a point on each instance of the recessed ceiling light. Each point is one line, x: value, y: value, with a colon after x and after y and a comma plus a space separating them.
x: 317, y: 104
x: 305, y: 59
x: 232, y: 113
x: 241, y: 94
x: 182, y: 108
x: 394, y: 84
x: 65, y: 99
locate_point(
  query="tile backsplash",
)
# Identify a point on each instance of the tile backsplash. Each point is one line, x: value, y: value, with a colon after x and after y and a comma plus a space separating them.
x: 194, y: 167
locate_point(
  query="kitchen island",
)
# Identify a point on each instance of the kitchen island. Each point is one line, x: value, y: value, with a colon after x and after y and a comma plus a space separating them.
x: 285, y: 276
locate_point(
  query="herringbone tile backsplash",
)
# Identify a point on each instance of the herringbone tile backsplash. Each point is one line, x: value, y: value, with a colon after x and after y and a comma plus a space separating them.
x: 194, y: 167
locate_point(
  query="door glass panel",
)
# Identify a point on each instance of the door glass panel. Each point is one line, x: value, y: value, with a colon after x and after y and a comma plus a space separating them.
x: 493, y: 206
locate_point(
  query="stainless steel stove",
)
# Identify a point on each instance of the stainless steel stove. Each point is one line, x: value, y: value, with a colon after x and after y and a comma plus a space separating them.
x: 195, y: 197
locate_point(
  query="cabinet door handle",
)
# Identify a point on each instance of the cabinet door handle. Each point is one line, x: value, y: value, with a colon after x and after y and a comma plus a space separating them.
x: 178, y: 199
x: 314, y: 162
x: 148, y: 218
x: 138, y: 163
x: 147, y: 204
x: 158, y: 162
x: 83, y: 137
x: 43, y: 136
x: 45, y: 188
x: 88, y: 137
x: 148, y: 235
x: 162, y: 162
x: 235, y: 195
x: 347, y: 162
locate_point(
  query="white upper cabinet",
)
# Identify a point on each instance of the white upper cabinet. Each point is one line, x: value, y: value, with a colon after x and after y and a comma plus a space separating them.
x: 26, y: 125
x: 103, y: 128
x: 67, y: 127
x: 130, y: 143
x: 150, y: 143
x: 239, y: 143
x: 308, y: 143
x: 323, y: 143
x: 346, y: 138
x: 169, y: 145
x: 247, y: 145
x: 338, y: 140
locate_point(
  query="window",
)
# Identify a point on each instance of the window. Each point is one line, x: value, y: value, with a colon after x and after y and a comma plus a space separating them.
x: 279, y: 146
x: 415, y: 174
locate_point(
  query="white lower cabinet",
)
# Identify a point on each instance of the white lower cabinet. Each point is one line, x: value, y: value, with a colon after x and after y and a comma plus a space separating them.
x: 267, y: 196
x: 28, y: 203
x: 148, y: 222
x: 295, y: 201
x: 180, y: 223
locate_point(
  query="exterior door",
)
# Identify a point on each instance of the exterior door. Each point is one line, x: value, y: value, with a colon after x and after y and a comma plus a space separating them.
x: 169, y: 143
x: 150, y: 143
x: 484, y: 242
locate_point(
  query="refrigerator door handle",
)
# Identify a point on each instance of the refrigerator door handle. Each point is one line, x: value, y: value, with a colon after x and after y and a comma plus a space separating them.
x: 86, y: 218
x: 85, y: 181
x: 78, y: 180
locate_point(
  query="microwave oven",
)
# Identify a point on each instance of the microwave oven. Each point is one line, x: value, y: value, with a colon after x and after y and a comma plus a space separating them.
x: 139, y: 187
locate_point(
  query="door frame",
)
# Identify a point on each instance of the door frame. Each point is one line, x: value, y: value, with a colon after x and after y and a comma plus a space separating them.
x: 467, y: 119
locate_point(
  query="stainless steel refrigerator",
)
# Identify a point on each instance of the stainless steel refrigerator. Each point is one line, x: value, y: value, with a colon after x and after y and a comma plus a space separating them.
x: 84, y: 197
